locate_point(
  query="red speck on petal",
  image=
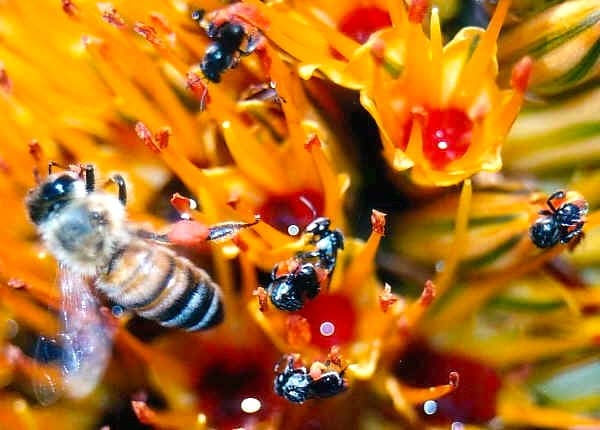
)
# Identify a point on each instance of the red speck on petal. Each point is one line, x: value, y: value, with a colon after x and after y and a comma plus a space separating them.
x: 361, y: 22
x: 417, y: 11
x: 35, y: 150
x: 262, y: 296
x: 162, y: 137
x: 297, y: 331
x: 244, y: 12
x: 157, y: 142
x: 5, y: 82
x: 147, y: 32
x: 446, y: 136
x: 336, y: 309
x: 197, y: 86
x: 110, y: 15
x: 69, y: 7
x: 473, y: 401
x: 281, y: 211
x: 521, y: 73
x: 161, y: 22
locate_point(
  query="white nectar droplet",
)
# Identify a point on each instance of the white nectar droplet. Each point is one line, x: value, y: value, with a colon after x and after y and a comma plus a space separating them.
x: 327, y: 328
x: 293, y: 230
x: 251, y: 405
x: 430, y: 407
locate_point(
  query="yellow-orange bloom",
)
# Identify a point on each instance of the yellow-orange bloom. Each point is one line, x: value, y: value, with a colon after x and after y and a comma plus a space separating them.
x: 439, y: 110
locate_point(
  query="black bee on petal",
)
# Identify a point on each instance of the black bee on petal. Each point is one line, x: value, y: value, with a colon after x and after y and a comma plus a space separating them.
x: 559, y: 223
x: 224, y: 52
x: 296, y: 384
x: 302, y: 280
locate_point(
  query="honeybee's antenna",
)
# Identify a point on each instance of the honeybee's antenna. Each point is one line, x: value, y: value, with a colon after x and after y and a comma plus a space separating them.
x: 52, y: 164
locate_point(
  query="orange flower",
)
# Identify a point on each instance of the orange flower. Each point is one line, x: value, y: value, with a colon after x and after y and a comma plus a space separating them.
x: 439, y: 110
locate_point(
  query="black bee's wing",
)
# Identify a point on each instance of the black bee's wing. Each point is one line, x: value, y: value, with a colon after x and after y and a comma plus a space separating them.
x: 82, y: 348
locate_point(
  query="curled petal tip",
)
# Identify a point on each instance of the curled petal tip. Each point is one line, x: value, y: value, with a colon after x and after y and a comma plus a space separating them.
x: 387, y: 298
x: 312, y: 141
x: 378, y: 221
x: 261, y: 295
x: 428, y: 294
x: 453, y: 379
x: 417, y: 11
x: 143, y: 412
x: 521, y: 74
x: 69, y: 8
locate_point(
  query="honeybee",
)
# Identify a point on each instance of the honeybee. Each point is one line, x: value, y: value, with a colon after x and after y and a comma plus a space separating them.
x: 87, y: 231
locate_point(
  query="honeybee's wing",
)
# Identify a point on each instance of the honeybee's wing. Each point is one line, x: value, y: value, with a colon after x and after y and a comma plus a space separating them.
x: 82, y: 348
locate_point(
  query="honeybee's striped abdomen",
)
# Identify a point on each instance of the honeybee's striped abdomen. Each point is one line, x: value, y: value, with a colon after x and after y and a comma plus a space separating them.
x: 162, y: 286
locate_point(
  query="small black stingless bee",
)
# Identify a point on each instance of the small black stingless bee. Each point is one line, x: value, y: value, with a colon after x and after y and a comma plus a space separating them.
x: 561, y: 222
x: 302, y: 278
x: 226, y: 47
x: 296, y: 384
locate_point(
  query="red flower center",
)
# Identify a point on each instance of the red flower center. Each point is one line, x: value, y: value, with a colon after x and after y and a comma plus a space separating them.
x: 446, y: 136
x: 236, y: 387
x: 361, y: 22
x: 474, y: 401
x: 285, y: 210
x: 332, y: 319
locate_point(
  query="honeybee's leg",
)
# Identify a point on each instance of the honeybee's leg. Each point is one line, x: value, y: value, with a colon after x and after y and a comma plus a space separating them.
x: 556, y: 195
x: 90, y: 178
x: 118, y: 179
x: 227, y: 230
x: 150, y: 235
x: 52, y: 164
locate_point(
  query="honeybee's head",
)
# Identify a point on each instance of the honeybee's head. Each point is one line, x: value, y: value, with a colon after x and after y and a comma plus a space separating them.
x: 52, y: 195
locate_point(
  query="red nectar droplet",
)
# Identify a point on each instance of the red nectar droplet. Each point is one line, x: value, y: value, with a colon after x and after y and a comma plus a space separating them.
x: 332, y: 319
x: 474, y: 401
x: 446, y: 136
x: 285, y: 210
x: 361, y: 22
x: 230, y: 375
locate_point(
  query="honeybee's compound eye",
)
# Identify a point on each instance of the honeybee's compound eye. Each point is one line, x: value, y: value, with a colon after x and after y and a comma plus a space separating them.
x: 59, y: 188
